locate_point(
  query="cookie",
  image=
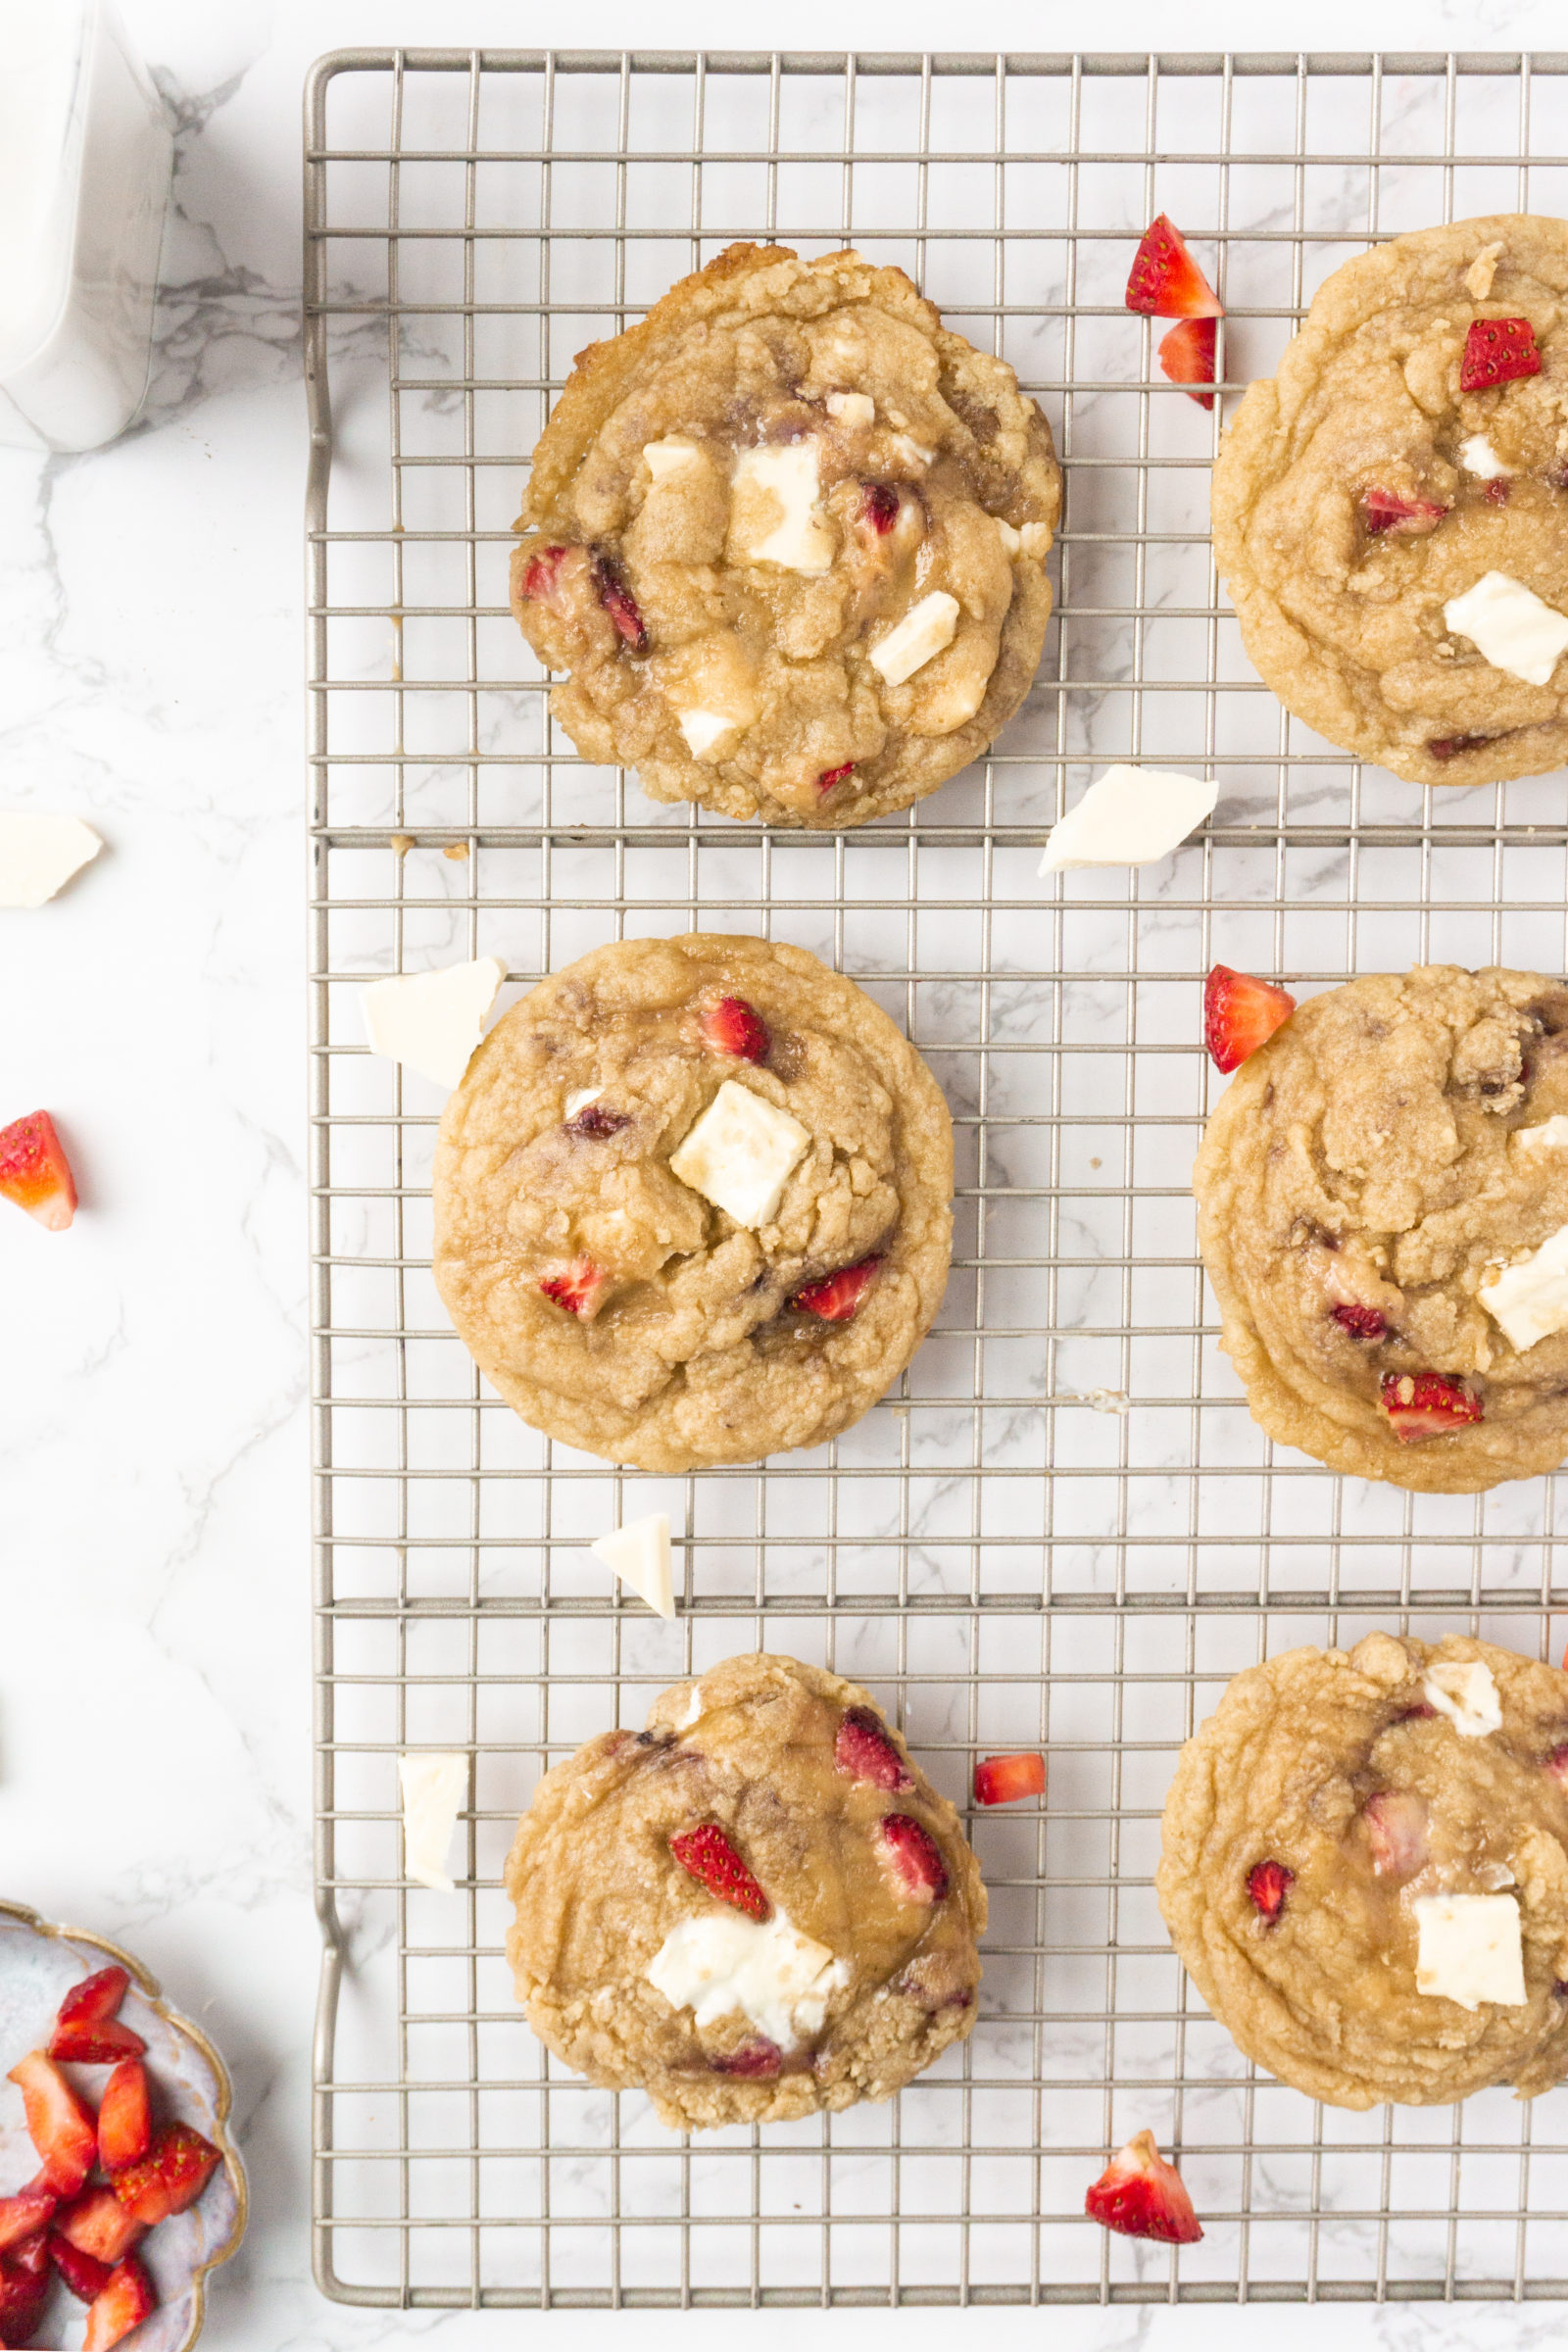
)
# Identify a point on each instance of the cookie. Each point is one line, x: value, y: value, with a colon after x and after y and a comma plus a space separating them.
x: 788, y: 536
x: 1373, y: 1189
x: 1327, y: 1837
x: 693, y: 1202
x: 753, y: 1909
x: 1398, y: 459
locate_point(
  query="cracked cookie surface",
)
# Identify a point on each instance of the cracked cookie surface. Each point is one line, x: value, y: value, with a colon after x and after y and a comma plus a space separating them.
x: 1364, y: 1176
x: 788, y: 536
x: 863, y: 1967
x: 1335, y: 1773
x: 618, y: 1307
x: 1363, y: 488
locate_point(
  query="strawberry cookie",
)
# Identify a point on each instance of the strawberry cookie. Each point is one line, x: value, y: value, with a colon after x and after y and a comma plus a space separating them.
x: 1391, y: 510
x: 1364, y: 1869
x: 788, y: 536
x: 693, y: 1202
x: 1383, y: 1210
x: 757, y: 1908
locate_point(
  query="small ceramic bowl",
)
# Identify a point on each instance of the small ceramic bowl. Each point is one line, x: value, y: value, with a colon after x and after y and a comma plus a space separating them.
x: 38, y: 1963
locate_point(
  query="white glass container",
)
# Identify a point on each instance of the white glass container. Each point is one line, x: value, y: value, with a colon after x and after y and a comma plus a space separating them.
x: 85, y: 154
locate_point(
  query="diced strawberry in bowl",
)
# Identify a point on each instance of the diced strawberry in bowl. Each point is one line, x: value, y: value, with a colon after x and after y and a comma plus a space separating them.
x: 58, y: 2123
x: 172, y: 2174
x: 123, y: 2304
x: 26, y: 2214
x: 99, y: 2224
x: 124, y: 2118
x: 83, y: 2273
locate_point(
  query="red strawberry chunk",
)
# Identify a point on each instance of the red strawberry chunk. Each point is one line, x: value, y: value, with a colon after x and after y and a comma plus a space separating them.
x: 1187, y: 356
x: 35, y: 1173
x: 99, y: 2224
x: 1424, y: 1404
x: 752, y: 2061
x: 1450, y: 746
x: 710, y: 1858
x: 84, y: 2275
x: 1385, y: 511
x: 543, y: 574
x: 595, y: 1122
x: 1557, y: 1765
x: 1269, y: 1884
x: 1397, y: 1826
x: 880, y: 506
x: 25, y: 2213
x: 1165, y: 281
x: 172, y: 2174
x: 96, y: 1999
x: 59, y: 2125
x: 1497, y: 351
x: 1140, y: 2195
x: 124, y: 2118
x: 864, y: 1751
x: 912, y: 1858
x: 31, y: 2255
x: 836, y: 1297
x: 124, y: 2305
x: 96, y: 2045
x: 22, y: 2296
x: 1496, y: 492
x: 734, y: 1027
x: 579, y: 1287
x: 1361, y: 1322
x: 1005, y: 1780
x: 1239, y: 1014
x: 834, y: 775
x: 619, y: 603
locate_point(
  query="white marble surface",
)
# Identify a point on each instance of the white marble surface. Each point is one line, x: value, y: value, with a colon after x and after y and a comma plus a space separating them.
x: 154, y: 1704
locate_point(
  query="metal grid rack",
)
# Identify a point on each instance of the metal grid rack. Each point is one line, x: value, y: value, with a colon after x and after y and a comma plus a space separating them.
x: 1062, y: 1528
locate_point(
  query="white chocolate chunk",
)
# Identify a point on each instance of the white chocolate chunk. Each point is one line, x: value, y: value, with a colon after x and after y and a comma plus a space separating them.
x: 581, y: 1100
x: 741, y: 1153
x: 1034, y: 538
x: 639, y: 1554
x: 911, y: 451
x: 1011, y: 539
x: 431, y: 1021
x: 1511, y: 627
x: 1478, y: 457
x: 1551, y: 1135
x: 1530, y: 1301
x: 718, y: 1961
x: 1482, y: 270
x: 775, y: 515
x: 852, y: 408
x: 1130, y: 815
x: 705, y: 730
x: 1470, y: 1950
x: 1467, y: 1692
x: 927, y: 629
x: 693, y: 1711
x: 40, y: 853
x: 669, y: 455
x: 433, y: 1787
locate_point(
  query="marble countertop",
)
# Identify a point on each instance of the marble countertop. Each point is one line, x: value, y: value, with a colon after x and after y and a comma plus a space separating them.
x: 153, y: 1665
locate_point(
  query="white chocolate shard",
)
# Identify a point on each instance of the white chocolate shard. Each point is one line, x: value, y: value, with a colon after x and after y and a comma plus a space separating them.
x: 741, y: 1153
x: 40, y: 852
x: 1511, y: 627
x: 1470, y: 1950
x: 1478, y: 457
x: 1528, y: 1301
x: 580, y: 1098
x: 639, y: 1554
x: 706, y: 730
x: 1011, y: 539
x: 669, y: 455
x: 434, y: 1787
x: 718, y: 1962
x: 1128, y: 817
x: 432, y: 1021
x: 927, y: 629
x: 775, y: 515
x: 1465, y: 1690
x: 854, y: 408
x: 1550, y: 1134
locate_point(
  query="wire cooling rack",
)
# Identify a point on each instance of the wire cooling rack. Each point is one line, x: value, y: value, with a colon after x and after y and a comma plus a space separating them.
x: 1061, y: 1529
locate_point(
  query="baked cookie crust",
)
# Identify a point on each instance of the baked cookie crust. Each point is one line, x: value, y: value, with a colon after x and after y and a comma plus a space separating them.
x: 737, y: 503
x: 1359, y: 1181
x: 754, y: 1746
x: 1335, y: 1767
x: 1342, y: 611
x: 613, y: 1305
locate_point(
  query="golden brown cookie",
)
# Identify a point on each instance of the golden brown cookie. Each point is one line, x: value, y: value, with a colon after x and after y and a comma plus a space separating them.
x: 788, y: 536
x: 755, y: 1908
x: 1392, y: 464
x: 1363, y: 1182
x: 1326, y: 1827
x: 693, y: 1202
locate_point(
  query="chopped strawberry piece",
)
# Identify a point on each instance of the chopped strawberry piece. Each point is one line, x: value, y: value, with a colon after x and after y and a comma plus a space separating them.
x: 836, y: 1297
x: 84, y: 2275
x: 1239, y: 1014
x: 22, y: 2296
x: 31, y: 2255
x: 834, y: 775
x: 1450, y: 746
x: 543, y: 575
x: 752, y: 2061
x: 619, y: 603
x: 913, y: 1858
x: 95, y: 1999
x: 595, y: 1122
x: 27, y: 2212
x: 1269, y: 1884
x: 1385, y: 511
x: 1496, y: 492
x: 1397, y: 1826
x: 577, y: 1288
x: 35, y: 1173
x: 864, y: 1751
x: 1497, y: 351
x: 1165, y: 281
x: 1187, y: 356
x: 734, y: 1027
x: 1361, y: 1322
x: 1557, y: 1765
x: 1420, y: 1713
x: 59, y: 2125
x: 96, y: 2045
x: 1005, y: 1780
x: 99, y: 2224
x: 172, y: 2174
x: 880, y: 506
x: 1423, y: 1405
x: 710, y: 1858
x: 124, y: 2305
x: 1140, y: 2195
x: 124, y: 2118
